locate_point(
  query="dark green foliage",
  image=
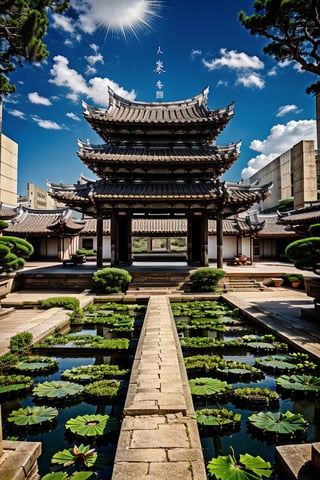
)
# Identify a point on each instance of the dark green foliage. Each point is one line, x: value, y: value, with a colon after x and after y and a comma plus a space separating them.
x: 13, y: 251
x: 70, y: 303
x: 3, y: 224
x: 21, y: 342
x: 292, y: 30
x: 23, y: 24
x: 285, y: 205
x: 87, y: 253
x: 315, y: 230
x: 7, y: 361
x: 305, y: 254
x: 205, y: 279
x: 113, y: 280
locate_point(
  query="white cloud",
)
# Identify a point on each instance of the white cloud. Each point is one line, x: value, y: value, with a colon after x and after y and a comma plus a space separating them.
x: 90, y: 70
x: 17, y: 113
x: 65, y: 23
x: 73, y: 116
x: 250, y: 80
x: 234, y: 60
x: 96, y: 89
x: 281, y: 139
x: 34, y: 97
x: 195, y: 53
x: 46, y: 124
x: 284, y: 109
x: 93, y: 59
x: 273, y: 72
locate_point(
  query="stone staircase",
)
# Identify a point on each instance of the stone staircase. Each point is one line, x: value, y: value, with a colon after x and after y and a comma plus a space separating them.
x: 236, y: 284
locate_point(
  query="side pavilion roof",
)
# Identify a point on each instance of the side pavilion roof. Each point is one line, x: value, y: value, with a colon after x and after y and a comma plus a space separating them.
x: 45, y: 222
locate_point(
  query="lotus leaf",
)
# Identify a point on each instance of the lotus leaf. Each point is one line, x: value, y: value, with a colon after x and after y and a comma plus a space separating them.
x: 32, y: 416
x: 76, y: 476
x: 88, y: 456
x: 303, y: 383
x: 105, y: 388
x: 57, y: 389
x: 248, y: 468
x: 14, y: 384
x: 276, y: 362
x: 261, y: 346
x: 217, y: 417
x: 36, y: 364
x: 92, y: 425
x: 286, y: 423
x: 55, y: 476
x: 208, y: 386
x: 86, y: 373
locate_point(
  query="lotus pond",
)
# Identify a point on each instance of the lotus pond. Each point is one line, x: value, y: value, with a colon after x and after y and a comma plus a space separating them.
x: 251, y: 390
x: 69, y: 392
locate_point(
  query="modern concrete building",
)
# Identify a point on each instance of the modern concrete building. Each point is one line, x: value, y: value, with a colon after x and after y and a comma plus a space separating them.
x: 37, y: 198
x: 293, y: 175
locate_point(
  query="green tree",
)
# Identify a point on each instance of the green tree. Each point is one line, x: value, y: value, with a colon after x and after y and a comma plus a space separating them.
x: 305, y: 253
x: 23, y: 24
x: 293, y: 30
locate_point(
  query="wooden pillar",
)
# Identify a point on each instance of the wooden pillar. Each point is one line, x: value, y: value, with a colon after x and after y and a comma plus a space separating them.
x: 204, y: 236
x: 129, y: 239
x: 219, y: 241
x: 114, y: 238
x: 99, y: 242
x: 189, y: 239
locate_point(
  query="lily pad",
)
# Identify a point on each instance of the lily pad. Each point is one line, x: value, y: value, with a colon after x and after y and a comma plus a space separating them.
x: 286, y: 423
x: 302, y: 383
x: 29, y: 416
x: 90, y: 373
x: 83, y: 454
x: 34, y: 364
x: 261, y: 346
x: 57, y: 390
x: 217, y: 418
x: 204, y: 386
x: 14, y: 384
x: 92, y: 425
x: 275, y: 363
x: 248, y: 468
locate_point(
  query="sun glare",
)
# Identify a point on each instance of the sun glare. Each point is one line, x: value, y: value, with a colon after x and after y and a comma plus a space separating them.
x: 125, y: 16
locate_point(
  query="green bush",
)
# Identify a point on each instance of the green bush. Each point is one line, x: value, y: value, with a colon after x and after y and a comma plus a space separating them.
x: 21, y: 342
x: 7, y: 360
x: 205, y: 279
x: 113, y: 280
x: 87, y: 253
x: 13, y: 251
x: 305, y: 253
x: 70, y: 303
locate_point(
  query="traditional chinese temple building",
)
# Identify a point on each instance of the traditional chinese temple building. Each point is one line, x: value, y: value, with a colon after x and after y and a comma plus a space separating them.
x: 158, y: 160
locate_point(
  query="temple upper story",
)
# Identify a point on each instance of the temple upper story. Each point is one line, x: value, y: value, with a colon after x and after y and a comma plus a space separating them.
x: 187, y: 122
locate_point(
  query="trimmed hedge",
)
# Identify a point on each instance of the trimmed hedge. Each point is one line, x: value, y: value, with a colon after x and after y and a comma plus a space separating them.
x: 206, y: 279
x: 113, y: 280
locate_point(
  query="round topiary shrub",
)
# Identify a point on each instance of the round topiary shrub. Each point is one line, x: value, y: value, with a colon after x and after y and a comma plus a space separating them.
x: 206, y: 279
x: 113, y: 280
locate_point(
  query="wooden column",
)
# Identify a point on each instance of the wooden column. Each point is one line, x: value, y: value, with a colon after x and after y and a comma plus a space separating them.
x: 189, y: 239
x: 99, y: 242
x: 219, y: 241
x: 204, y: 236
x: 114, y: 238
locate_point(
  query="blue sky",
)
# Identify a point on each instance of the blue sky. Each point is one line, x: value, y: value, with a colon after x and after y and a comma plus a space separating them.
x: 116, y: 42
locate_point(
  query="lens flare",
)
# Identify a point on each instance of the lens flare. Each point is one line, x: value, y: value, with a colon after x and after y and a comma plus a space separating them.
x: 123, y: 15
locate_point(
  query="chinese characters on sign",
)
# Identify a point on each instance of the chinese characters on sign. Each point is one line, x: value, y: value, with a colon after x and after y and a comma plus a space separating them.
x: 159, y: 69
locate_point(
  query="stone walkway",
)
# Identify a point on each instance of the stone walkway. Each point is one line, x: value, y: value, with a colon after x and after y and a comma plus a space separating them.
x: 159, y: 436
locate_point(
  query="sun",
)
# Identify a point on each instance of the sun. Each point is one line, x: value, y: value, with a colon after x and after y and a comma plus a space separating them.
x: 124, y: 16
